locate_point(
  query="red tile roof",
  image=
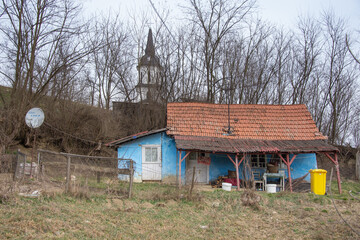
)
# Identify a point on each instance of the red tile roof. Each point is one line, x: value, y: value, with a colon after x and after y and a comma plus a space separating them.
x: 260, y: 122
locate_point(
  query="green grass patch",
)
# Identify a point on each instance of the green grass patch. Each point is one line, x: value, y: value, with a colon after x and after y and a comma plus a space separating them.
x: 159, y: 211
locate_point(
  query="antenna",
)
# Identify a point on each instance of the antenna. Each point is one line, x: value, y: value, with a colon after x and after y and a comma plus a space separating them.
x: 228, y: 130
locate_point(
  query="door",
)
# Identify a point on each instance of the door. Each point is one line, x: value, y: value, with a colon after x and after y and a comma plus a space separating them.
x: 201, y: 170
x: 151, y: 162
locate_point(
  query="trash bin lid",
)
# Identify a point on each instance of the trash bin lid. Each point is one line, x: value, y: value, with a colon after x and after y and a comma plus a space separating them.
x: 317, y: 171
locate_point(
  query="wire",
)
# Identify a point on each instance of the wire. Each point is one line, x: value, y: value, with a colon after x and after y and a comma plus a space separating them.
x: 353, y: 195
x: 333, y: 202
x: 73, y: 136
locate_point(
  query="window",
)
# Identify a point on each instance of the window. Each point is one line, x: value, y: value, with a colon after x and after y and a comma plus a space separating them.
x: 258, y: 161
x: 151, y: 154
x: 193, y: 156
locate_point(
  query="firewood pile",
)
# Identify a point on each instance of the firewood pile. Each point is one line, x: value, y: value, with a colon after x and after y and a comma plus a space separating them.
x: 218, y: 182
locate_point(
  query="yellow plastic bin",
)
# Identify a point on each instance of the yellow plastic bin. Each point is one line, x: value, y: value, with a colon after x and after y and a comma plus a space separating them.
x: 318, y: 181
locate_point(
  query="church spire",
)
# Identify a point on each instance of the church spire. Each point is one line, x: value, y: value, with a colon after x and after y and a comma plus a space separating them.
x: 150, y: 49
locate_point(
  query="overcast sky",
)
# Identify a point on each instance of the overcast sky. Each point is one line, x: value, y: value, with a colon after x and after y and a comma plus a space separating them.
x: 279, y: 12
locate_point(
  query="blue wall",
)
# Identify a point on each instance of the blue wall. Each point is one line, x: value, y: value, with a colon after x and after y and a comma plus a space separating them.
x: 220, y: 163
x: 302, y: 164
x: 133, y: 150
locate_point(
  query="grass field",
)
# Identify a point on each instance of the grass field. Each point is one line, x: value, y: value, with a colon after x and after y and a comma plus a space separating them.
x: 160, y: 211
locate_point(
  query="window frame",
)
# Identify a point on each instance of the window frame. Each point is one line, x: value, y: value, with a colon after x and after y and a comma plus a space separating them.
x: 257, y: 164
x: 144, y: 147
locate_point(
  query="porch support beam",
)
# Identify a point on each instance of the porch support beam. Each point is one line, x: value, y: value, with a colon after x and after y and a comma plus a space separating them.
x: 336, y: 162
x: 180, y: 161
x: 237, y: 164
x: 288, y: 163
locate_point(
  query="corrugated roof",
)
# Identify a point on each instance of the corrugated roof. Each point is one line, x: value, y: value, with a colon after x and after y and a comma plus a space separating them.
x: 134, y: 136
x: 257, y: 122
x: 226, y: 145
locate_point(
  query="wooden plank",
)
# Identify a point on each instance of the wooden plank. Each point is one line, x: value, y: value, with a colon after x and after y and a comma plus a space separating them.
x: 131, y: 177
x: 68, y: 180
x: 237, y: 173
x: 358, y: 165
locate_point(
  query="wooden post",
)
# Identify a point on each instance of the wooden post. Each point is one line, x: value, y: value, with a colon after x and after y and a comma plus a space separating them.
x: 131, y: 178
x: 39, y: 167
x: 289, y: 171
x: 180, y: 161
x: 288, y: 163
x: 336, y: 162
x: 358, y: 165
x: 68, y: 178
x: 237, y: 164
x: 23, y: 173
x: 237, y: 172
x: 179, y: 169
x: 98, y: 177
x: 192, y: 182
x: 337, y: 172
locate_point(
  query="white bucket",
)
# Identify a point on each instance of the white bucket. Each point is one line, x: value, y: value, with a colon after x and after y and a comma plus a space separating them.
x: 226, y: 186
x: 271, y: 188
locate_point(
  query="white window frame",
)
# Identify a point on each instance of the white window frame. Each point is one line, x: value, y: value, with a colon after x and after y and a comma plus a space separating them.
x: 143, y: 147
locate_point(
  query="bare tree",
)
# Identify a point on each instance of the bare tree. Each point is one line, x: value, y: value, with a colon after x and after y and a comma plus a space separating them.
x: 34, y: 32
x: 42, y: 50
x: 306, y: 51
x: 112, y: 61
x: 339, y: 78
x: 215, y: 20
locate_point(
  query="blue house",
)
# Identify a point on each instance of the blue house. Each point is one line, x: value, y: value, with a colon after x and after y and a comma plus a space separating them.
x: 219, y: 140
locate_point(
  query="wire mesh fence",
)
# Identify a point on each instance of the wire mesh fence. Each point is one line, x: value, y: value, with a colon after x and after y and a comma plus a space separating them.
x: 79, y: 173
x: 8, y: 165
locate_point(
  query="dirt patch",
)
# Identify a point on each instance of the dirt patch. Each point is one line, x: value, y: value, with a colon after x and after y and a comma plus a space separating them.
x: 147, y: 205
x: 171, y: 203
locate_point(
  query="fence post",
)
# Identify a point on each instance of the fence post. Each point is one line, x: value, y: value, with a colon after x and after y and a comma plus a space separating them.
x: 39, y: 167
x: 357, y: 172
x: 24, y: 163
x: 17, y: 169
x: 131, y: 177
x: 98, y: 177
x: 68, y: 180
x: 192, y: 182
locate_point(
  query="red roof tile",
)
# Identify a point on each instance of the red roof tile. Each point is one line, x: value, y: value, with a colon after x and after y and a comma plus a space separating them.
x: 261, y: 122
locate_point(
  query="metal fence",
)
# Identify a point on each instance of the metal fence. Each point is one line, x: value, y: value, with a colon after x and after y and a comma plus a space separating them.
x: 79, y: 173
x: 8, y: 163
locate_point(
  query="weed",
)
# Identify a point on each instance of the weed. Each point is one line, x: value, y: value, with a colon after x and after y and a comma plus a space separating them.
x: 250, y: 198
x: 308, y: 209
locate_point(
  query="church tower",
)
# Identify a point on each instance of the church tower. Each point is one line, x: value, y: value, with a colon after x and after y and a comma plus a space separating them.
x: 149, y: 70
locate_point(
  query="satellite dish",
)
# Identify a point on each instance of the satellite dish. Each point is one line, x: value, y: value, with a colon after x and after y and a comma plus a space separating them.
x: 34, y: 117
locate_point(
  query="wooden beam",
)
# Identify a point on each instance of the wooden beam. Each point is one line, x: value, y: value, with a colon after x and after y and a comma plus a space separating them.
x: 241, y: 160
x: 180, y: 161
x: 336, y: 162
x: 179, y: 180
x: 231, y: 159
x: 288, y: 163
x: 236, y: 165
x: 237, y: 172
x: 289, y: 171
x: 292, y: 159
x: 338, y: 172
x: 282, y: 158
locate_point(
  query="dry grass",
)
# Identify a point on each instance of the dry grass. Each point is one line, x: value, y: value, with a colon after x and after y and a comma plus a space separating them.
x: 162, y: 212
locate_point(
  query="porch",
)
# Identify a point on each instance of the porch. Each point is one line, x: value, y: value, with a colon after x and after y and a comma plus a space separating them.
x: 250, y: 159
